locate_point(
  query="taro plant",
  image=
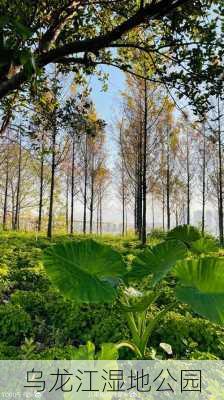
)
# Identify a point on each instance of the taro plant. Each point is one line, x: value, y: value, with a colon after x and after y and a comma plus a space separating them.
x: 90, y: 272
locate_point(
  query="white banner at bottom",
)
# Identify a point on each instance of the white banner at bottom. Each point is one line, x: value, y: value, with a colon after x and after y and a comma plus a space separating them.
x: 111, y: 380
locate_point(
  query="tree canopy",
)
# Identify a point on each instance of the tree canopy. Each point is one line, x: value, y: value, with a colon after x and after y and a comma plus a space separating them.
x: 78, y: 35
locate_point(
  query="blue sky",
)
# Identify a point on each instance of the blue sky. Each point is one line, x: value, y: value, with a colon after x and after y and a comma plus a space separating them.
x: 107, y: 102
x: 108, y: 105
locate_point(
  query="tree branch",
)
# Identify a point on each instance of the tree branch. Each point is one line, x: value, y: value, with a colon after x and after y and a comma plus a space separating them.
x: 145, y: 14
x: 58, y: 24
x: 149, y: 12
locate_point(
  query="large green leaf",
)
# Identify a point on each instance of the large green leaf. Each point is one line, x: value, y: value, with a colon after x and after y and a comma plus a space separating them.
x: 158, y: 260
x: 185, y: 233
x: 202, y: 286
x: 85, y: 271
x: 204, y: 245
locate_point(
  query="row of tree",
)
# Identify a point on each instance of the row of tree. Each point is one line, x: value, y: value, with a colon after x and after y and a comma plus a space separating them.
x: 53, y: 156
x: 168, y: 160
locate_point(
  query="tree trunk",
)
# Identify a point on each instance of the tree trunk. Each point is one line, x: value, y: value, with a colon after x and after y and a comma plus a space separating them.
x: 85, y: 186
x: 72, y: 187
x: 168, y: 181
x: 101, y: 212
x: 123, y: 202
x: 176, y: 216
x: 163, y: 206
x: 188, y: 181
x: 50, y: 215
x: 98, y: 215
x: 139, y: 185
x: 13, y: 205
x: 16, y: 217
x: 144, y: 180
x: 203, y: 184
x: 66, y: 205
x: 91, y: 203
x: 136, y: 198
x: 41, y: 188
x: 220, y: 178
x: 5, y: 207
x: 153, y: 213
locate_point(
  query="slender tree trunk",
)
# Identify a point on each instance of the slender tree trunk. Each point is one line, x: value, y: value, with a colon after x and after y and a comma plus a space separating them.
x: 136, y: 199
x: 188, y: 181
x: 135, y: 213
x: 184, y: 214
x: 221, y: 238
x: 53, y: 166
x: 168, y: 181
x: 72, y: 187
x: 16, y: 218
x: 217, y: 192
x: 153, y: 213
x: 144, y: 180
x: 5, y: 207
x: 126, y: 222
x: 91, y: 203
x: 98, y: 215
x: 123, y: 214
x: 41, y: 188
x: 203, y: 184
x: 101, y: 213
x: 176, y: 215
x: 85, y: 185
x: 123, y: 202
x: 67, y: 199
x: 139, y: 185
x: 13, y: 206
x: 163, y: 205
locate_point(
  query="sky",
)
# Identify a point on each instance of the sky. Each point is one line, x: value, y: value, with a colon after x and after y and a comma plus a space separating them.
x: 107, y: 102
x: 108, y: 105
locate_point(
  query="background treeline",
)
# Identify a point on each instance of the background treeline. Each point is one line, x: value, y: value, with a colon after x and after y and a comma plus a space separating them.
x: 55, y: 163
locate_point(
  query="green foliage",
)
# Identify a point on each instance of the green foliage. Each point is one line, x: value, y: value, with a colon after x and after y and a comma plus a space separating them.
x: 189, y: 334
x: 37, y: 322
x: 8, y: 352
x: 158, y: 261
x: 186, y: 233
x: 202, y: 286
x: 205, y: 245
x: 86, y: 272
x: 108, y: 351
x: 156, y: 234
x: 15, y: 323
x: 195, y: 288
x: 28, y: 279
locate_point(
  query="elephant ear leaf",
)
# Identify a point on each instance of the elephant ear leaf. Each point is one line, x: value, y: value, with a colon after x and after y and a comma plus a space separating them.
x: 185, y: 233
x: 204, y: 245
x: 85, y: 271
x: 201, y: 285
x: 158, y: 260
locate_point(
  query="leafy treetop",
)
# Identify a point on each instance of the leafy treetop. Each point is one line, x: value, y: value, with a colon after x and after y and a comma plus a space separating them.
x: 78, y: 35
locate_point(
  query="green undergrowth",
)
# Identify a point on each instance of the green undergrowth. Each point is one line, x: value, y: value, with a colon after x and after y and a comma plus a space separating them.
x: 37, y: 322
